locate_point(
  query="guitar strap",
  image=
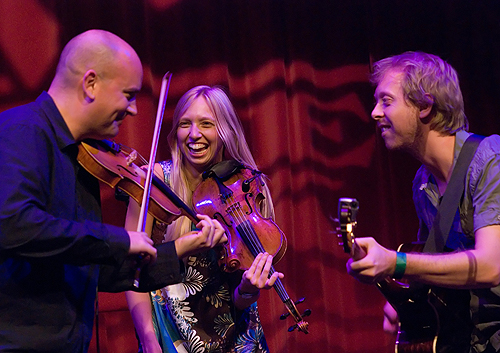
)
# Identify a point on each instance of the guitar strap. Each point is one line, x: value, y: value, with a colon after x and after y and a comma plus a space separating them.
x: 448, y: 207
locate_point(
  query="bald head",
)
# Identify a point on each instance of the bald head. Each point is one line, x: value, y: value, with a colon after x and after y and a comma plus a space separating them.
x: 96, y: 82
x: 95, y: 49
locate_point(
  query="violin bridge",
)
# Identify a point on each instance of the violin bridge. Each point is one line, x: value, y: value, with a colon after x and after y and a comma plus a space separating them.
x: 131, y: 157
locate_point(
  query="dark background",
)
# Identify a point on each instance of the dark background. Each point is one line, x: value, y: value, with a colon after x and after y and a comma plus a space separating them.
x: 297, y: 73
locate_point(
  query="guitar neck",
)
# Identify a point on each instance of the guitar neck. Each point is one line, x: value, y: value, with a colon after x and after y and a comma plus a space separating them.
x: 357, y: 252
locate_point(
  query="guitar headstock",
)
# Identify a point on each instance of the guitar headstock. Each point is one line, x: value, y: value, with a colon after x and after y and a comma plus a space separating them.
x: 347, y: 212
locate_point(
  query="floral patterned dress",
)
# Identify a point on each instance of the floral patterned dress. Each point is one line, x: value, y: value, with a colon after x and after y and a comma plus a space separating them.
x: 199, y: 311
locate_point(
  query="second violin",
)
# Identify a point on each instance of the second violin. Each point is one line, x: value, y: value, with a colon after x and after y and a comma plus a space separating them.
x: 231, y: 193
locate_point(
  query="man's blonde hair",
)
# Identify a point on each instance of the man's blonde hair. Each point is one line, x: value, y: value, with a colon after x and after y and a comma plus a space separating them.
x: 424, y: 75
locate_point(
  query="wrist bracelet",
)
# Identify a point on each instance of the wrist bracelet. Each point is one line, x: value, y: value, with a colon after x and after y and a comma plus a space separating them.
x: 247, y: 295
x: 400, y: 265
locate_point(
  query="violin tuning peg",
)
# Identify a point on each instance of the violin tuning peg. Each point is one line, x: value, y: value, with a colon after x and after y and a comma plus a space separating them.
x: 301, y: 300
x: 284, y: 316
x: 306, y: 312
x: 287, y: 314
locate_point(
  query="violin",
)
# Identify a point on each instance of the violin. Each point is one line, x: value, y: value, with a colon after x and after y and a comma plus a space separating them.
x: 231, y: 193
x: 114, y: 165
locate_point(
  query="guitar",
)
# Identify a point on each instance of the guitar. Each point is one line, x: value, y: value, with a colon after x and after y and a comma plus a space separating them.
x: 431, y: 319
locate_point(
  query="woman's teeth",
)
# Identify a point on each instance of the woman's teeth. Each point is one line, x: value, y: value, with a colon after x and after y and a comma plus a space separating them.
x: 197, y: 147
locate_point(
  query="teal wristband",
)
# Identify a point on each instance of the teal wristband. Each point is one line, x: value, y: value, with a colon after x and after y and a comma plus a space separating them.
x: 400, y: 265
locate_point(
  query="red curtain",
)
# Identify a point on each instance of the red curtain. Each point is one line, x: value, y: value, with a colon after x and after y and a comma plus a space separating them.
x: 297, y: 72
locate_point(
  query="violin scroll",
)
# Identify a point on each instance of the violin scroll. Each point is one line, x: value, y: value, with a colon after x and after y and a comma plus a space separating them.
x: 292, y: 310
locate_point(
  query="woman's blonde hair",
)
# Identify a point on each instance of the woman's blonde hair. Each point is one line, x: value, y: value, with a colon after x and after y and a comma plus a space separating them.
x: 231, y: 133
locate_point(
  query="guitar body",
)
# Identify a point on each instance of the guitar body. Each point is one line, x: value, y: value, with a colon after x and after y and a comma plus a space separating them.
x: 431, y: 319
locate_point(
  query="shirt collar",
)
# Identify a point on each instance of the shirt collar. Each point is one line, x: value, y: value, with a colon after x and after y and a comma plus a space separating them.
x: 429, y: 184
x: 63, y: 135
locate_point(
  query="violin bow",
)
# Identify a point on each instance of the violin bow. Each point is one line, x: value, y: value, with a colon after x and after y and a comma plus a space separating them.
x: 141, y: 224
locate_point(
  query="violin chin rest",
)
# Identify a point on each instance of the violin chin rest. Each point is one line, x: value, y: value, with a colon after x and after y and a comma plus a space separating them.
x: 223, y: 170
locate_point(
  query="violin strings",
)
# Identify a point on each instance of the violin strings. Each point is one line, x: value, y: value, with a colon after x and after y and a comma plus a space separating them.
x: 254, y: 244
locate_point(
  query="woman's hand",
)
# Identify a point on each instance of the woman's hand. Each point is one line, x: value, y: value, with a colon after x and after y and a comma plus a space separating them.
x: 254, y: 279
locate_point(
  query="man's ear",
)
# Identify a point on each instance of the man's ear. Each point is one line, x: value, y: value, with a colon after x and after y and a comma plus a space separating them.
x: 89, y: 84
x: 426, y: 110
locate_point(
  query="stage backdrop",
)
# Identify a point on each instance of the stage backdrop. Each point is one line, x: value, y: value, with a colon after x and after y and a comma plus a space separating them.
x: 297, y: 73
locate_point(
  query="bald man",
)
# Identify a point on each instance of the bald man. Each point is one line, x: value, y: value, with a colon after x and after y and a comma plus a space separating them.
x: 54, y: 249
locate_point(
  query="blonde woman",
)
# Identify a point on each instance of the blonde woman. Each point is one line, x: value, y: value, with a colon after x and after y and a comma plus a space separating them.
x: 210, y: 311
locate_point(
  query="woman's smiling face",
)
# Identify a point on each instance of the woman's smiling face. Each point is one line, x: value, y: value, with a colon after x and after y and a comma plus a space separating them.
x: 197, y: 136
